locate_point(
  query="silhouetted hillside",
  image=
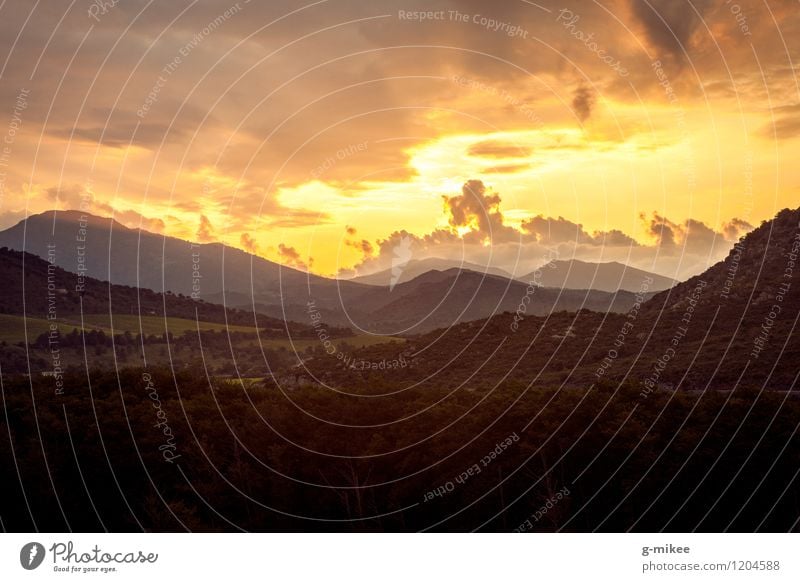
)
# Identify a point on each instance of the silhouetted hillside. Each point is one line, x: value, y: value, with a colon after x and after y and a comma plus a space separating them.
x: 106, y: 250
x: 36, y: 288
x: 610, y: 277
x: 733, y: 326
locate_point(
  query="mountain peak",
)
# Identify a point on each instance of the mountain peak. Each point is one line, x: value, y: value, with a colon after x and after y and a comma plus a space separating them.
x: 73, y: 216
x: 610, y: 276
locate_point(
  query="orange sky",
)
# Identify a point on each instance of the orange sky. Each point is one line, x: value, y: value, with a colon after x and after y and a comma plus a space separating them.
x: 319, y: 135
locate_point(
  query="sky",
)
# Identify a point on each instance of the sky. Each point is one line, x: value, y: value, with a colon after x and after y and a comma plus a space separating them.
x: 327, y: 135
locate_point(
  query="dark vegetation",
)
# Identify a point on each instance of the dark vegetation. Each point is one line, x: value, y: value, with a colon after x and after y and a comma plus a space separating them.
x: 255, y: 458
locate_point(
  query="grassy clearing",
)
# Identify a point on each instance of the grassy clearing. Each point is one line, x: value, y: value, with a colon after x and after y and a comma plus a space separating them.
x: 12, y: 329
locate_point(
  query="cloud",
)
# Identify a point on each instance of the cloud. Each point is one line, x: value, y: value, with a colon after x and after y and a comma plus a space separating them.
x: 736, y: 228
x: 614, y: 238
x: 784, y: 124
x: 495, y: 149
x: 76, y: 197
x: 669, y: 24
x: 660, y: 228
x: 249, y: 243
x: 291, y: 257
x: 507, y: 169
x: 583, y: 100
x: 553, y: 231
x: 205, y: 232
x: 383, y: 78
x: 363, y: 245
x: 478, y: 211
x: 680, y: 249
x: 692, y: 235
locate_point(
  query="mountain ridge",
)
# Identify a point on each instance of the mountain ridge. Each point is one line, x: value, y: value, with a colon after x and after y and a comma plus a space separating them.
x: 608, y: 276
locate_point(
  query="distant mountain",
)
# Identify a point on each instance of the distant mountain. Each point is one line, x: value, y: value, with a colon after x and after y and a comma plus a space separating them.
x: 35, y: 288
x: 733, y: 327
x: 403, y: 273
x: 106, y: 250
x: 613, y: 276
x: 439, y: 299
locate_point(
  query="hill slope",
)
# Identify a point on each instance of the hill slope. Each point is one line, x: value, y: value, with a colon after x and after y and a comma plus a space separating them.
x: 732, y: 327
x: 106, y: 250
x: 413, y: 269
x: 35, y: 288
x: 610, y: 277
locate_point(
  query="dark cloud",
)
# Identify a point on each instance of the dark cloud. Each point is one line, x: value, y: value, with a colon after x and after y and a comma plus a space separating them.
x: 363, y: 245
x: 692, y: 235
x: 121, y: 135
x: 291, y: 257
x: 785, y: 123
x: 736, y: 228
x: 669, y: 24
x: 249, y: 243
x: 614, y: 238
x: 583, y: 100
x: 507, y: 169
x: 553, y: 231
x: 697, y: 236
x: 495, y: 149
x: 660, y: 228
x: 556, y: 230
x: 205, y: 232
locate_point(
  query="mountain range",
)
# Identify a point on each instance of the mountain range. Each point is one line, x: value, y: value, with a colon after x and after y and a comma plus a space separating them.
x: 425, y: 299
x: 611, y: 276
x: 405, y: 272
x: 733, y: 327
